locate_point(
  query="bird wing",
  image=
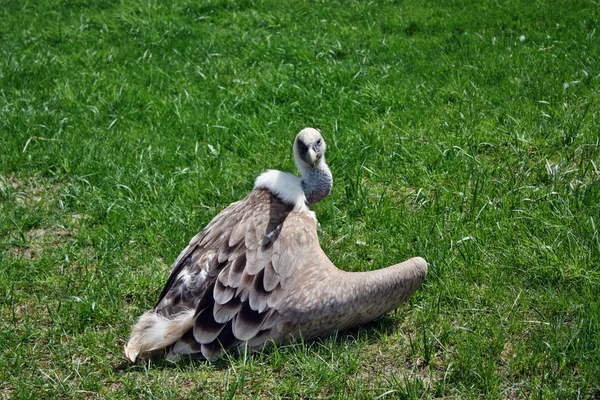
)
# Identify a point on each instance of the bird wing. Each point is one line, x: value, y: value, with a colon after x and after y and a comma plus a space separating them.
x: 235, y: 272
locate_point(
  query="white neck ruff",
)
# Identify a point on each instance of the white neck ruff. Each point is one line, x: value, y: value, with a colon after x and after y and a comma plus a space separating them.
x: 286, y: 186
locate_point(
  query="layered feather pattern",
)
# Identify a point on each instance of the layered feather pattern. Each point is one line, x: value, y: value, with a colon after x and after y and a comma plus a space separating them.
x: 233, y: 273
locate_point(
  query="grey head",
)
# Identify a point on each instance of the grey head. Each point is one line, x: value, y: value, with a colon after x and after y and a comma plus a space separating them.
x: 309, y: 154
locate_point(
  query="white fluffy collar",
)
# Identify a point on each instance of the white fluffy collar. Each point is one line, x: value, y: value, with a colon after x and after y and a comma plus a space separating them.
x: 286, y: 186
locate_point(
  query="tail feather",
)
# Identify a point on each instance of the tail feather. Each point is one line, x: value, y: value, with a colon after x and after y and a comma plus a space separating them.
x: 154, y: 332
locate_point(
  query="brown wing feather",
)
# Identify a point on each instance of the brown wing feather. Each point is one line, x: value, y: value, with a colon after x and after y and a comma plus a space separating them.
x: 235, y: 272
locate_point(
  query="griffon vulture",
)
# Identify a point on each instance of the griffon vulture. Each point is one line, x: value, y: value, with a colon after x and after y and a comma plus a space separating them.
x: 257, y: 274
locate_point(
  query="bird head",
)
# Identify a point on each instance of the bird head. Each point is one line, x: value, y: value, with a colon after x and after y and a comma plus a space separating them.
x: 309, y: 149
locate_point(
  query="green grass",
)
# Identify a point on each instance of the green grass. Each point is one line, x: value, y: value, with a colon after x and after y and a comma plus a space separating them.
x: 463, y: 132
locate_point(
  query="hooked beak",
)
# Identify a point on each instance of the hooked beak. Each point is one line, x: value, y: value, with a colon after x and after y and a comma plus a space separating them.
x: 311, y: 157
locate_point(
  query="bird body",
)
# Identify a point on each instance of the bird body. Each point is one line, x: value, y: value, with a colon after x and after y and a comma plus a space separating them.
x: 257, y: 274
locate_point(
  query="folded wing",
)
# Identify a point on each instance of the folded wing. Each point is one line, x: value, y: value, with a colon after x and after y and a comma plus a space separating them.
x: 234, y: 273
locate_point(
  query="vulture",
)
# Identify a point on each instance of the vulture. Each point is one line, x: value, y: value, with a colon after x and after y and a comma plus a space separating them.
x: 257, y: 274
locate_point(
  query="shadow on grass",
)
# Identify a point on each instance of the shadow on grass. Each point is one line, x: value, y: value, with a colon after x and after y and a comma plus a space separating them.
x: 367, y: 334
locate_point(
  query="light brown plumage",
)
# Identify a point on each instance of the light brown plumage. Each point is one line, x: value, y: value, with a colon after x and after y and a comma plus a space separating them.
x: 256, y: 273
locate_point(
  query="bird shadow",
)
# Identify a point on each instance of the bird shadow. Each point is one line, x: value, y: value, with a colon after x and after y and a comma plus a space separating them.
x: 367, y: 334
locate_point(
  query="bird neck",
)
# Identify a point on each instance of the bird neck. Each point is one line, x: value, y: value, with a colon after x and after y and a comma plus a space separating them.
x: 316, y: 182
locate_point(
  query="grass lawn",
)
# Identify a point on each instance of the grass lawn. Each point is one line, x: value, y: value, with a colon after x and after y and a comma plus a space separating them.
x: 465, y: 132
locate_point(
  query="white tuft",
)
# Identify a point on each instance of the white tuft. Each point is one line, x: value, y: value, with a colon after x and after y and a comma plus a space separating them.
x: 284, y: 185
x: 153, y: 332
